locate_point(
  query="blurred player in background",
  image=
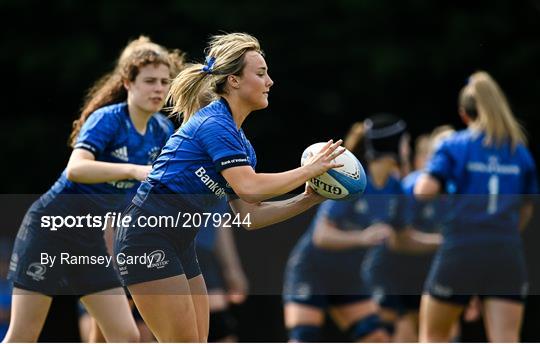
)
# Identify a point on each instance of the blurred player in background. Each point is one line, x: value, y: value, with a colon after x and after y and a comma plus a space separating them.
x: 414, y: 245
x: 5, y: 286
x: 482, y: 252
x: 385, y: 139
x: 208, y: 158
x: 323, y: 271
x: 117, y: 137
x: 224, y: 278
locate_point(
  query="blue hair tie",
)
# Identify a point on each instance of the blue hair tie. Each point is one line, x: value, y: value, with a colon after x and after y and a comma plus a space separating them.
x: 209, y: 65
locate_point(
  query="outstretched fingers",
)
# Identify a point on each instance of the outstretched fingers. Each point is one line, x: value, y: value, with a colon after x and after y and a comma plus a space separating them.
x: 333, y: 151
x: 332, y: 147
x: 326, y: 146
x: 324, y: 160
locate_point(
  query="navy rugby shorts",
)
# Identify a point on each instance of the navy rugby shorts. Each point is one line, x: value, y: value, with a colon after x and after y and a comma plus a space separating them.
x: 147, y: 254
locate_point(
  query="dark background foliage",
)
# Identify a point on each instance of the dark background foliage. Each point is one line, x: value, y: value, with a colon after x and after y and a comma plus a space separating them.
x: 333, y: 63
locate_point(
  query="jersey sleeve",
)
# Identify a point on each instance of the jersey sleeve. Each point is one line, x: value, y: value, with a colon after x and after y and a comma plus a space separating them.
x: 441, y: 163
x: 96, y: 133
x: 223, y: 144
x: 336, y: 211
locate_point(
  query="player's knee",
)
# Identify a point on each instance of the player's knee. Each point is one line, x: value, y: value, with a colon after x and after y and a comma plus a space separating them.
x: 28, y: 334
x: 368, y: 329
x: 174, y: 337
x: 222, y: 326
x: 379, y: 336
x: 126, y: 334
x: 134, y: 336
x: 434, y: 336
x: 504, y: 337
x: 20, y: 338
x: 305, y: 333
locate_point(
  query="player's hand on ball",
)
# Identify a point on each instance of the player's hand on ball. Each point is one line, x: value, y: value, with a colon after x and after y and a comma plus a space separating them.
x: 321, y: 162
x: 336, y: 173
x: 313, y: 195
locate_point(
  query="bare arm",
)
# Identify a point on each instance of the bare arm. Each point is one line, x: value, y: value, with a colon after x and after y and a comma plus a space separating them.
x: 411, y: 240
x: 525, y: 215
x: 226, y: 250
x: 328, y: 236
x: 235, y: 278
x: 256, y: 187
x: 426, y: 187
x: 268, y: 213
x: 83, y: 168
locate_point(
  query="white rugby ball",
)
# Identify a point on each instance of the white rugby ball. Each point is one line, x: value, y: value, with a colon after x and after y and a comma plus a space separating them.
x: 338, y: 183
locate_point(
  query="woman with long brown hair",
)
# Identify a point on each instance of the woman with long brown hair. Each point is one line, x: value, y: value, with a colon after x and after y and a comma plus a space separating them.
x: 118, y: 135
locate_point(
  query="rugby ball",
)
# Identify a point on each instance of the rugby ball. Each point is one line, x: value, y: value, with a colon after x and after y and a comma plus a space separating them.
x: 339, y: 183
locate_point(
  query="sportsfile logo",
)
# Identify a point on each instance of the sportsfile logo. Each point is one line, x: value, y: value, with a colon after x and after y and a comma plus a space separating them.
x: 156, y: 259
x: 36, y: 271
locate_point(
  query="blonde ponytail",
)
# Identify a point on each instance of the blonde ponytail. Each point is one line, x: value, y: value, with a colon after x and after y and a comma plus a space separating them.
x: 494, y: 116
x: 225, y: 56
x: 186, y: 89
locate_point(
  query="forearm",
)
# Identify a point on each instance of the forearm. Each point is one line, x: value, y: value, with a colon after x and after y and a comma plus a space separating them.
x: 257, y: 187
x: 414, y: 241
x: 92, y: 172
x: 268, y: 213
x: 525, y: 215
x: 335, y: 239
x: 426, y: 242
x: 226, y: 249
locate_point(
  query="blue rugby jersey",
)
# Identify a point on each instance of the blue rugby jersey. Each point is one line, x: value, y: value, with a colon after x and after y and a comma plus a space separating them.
x: 189, y: 165
x: 489, y: 183
x: 376, y: 205
x: 109, y: 134
x: 389, y: 203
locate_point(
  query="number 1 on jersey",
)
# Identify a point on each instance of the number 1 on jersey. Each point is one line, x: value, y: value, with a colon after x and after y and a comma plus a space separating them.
x: 493, y: 188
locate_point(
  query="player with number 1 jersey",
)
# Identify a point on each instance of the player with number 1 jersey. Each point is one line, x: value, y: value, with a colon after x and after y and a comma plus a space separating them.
x: 493, y: 173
